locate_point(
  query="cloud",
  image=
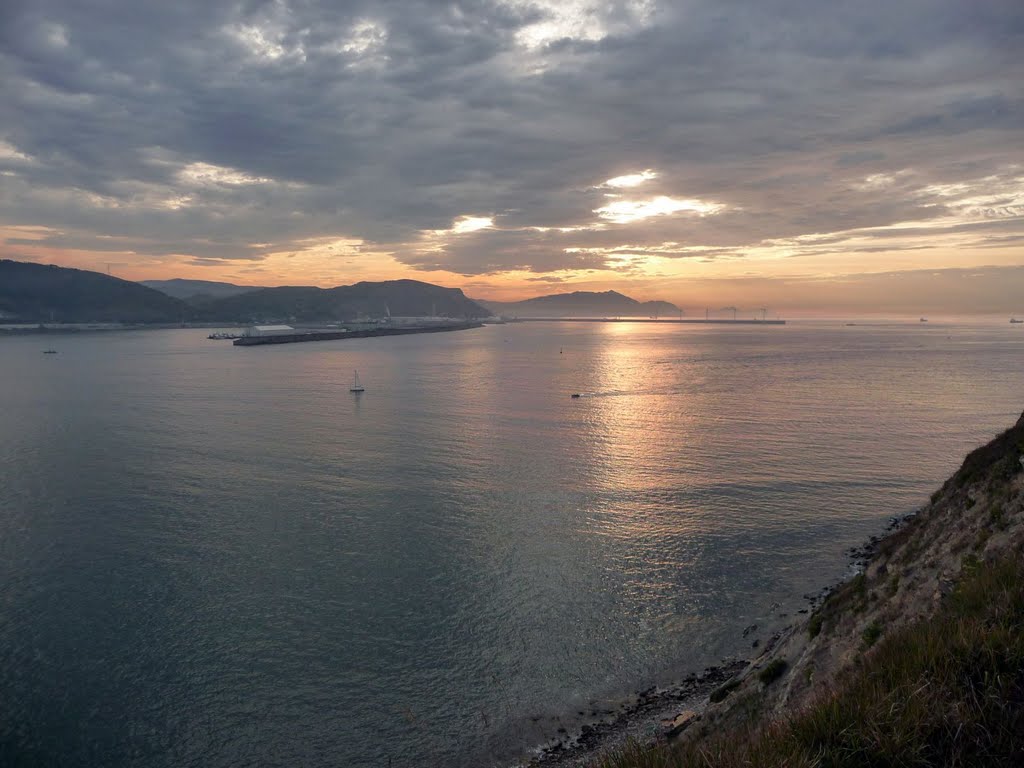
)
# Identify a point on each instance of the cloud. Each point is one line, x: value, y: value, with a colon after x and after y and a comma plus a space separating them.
x: 984, y: 289
x: 629, y: 211
x: 728, y: 130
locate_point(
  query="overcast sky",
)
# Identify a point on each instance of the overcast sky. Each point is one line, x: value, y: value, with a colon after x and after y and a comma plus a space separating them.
x: 695, y: 151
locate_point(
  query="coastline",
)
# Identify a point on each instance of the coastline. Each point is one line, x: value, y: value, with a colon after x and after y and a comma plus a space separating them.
x: 927, y: 544
x: 660, y: 714
x: 638, y: 718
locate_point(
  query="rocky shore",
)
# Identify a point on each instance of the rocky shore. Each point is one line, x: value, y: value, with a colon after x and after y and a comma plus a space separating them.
x: 654, y: 710
x: 976, y: 516
x: 900, y: 577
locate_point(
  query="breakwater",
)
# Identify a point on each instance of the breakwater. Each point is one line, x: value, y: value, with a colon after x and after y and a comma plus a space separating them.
x: 292, y: 338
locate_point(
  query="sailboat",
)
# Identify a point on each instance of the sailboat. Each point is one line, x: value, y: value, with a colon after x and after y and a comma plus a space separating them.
x: 356, y: 386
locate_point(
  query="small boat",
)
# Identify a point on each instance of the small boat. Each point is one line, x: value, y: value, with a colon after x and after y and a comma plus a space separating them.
x: 49, y: 351
x: 1015, y: 320
x: 574, y: 395
x: 924, y: 320
x: 356, y: 386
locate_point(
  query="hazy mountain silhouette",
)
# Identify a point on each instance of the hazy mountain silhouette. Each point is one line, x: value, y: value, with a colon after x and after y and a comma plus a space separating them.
x: 32, y: 293
x: 197, y: 290
x: 45, y: 293
x: 582, y: 304
x: 406, y: 298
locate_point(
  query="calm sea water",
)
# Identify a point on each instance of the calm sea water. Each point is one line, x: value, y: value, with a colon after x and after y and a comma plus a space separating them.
x: 217, y: 556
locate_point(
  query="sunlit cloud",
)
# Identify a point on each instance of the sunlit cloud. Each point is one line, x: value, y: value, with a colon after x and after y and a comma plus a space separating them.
x: 466, y: 224
x: 588, y: 20
x: 255, y: 40
x: 206, y: 173
x: 967, y: 211
x: 631, y: 179
x: 177, y: 202
x: 565, y: 229
x: 434, y: 241
x: 975, y: 200
x: 945, y: 190
x: 879, y: 181
x: 627, y: 211
x: 366, y: 37
x: 25, y: 232
x: 9, y: 152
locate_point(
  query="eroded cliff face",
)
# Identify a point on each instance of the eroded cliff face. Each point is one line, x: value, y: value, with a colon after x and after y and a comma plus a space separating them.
x: 977, y: 516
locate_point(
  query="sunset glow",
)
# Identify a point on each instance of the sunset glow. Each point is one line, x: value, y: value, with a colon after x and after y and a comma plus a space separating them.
x: 558, y: 146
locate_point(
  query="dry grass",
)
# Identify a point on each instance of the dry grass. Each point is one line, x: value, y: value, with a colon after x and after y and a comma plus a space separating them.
x: 945, y: 691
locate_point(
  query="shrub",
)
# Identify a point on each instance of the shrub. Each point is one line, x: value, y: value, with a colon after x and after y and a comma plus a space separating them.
x: 871, y: 633
x: 946, y: 690
x: 772, y: 671
x: 721, y: 692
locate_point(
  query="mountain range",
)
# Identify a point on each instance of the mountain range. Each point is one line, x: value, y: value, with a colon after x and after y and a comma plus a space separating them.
x: 197, y: 290
x: 406, y: 298
x: 31, y: 293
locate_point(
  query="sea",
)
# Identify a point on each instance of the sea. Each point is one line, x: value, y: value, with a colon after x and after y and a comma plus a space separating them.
x: 219, y: 556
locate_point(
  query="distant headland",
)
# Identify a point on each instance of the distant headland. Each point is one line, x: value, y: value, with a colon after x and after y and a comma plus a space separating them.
x: 33, y: 293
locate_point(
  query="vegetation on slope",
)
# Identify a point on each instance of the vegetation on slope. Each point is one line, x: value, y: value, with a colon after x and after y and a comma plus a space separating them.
x: 31, y: 293
x: 943, y: 691
x: 45, y: 293
x: 349, y: 302
x: 916, y: 661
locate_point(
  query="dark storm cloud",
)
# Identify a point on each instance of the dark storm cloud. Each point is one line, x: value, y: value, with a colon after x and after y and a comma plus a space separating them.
x: 381, y: 120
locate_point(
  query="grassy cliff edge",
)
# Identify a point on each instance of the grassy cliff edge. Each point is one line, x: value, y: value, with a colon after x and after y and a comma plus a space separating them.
x: 916, y: 661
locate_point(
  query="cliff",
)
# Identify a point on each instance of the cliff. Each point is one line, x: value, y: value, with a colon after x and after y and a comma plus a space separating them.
x: 917, y: 660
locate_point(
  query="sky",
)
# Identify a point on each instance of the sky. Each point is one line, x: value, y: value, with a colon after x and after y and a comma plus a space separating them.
x: 796, y: 154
